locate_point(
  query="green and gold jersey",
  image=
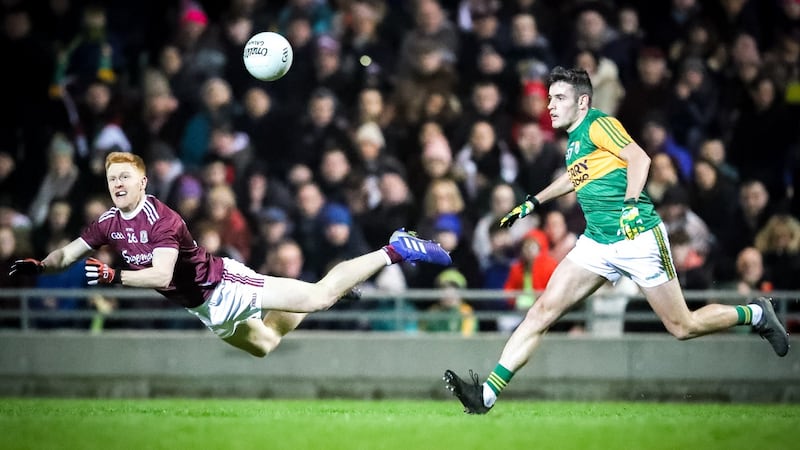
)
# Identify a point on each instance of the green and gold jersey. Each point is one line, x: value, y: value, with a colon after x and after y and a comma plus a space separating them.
x: 600, y: 176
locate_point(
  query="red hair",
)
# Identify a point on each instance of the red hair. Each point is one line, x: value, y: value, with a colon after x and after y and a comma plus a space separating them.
x: 126, y: 158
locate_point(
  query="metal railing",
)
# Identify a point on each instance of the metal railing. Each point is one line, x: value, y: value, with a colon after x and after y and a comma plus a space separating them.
x: 143, y: 308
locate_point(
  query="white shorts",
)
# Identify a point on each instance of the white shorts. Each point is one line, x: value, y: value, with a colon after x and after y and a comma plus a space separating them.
x: 647, y: 260
x: 236, y: 298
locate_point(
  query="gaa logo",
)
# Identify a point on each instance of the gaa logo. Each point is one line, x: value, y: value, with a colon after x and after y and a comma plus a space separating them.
x: 117, y: 235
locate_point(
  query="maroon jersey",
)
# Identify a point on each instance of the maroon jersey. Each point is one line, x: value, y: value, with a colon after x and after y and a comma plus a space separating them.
x: 155, y: 225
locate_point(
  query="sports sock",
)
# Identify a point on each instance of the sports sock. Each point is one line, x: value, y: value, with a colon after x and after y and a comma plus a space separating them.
x: 391, y: 254
x: 496, y: 382
x: 749, y: 314
x: 489, y: 397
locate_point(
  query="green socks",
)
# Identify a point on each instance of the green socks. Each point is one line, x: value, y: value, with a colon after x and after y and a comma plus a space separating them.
x: 748, y: 314
x: 499, y: 378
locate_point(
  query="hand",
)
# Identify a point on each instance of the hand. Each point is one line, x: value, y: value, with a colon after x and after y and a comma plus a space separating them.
x: 27, y: 266
x: 519, y: 211
x: 98, y: 272
x: 629, y: 221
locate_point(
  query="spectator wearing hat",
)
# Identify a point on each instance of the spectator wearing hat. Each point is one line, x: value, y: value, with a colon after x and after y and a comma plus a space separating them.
x: 62, y: 181
x: 452, y: 233
x: 199, y: 49
x: 342, y: 238
x: 451, y: 313
x: 189, y: 193
x: 373, y: 159
x: 532, y: 107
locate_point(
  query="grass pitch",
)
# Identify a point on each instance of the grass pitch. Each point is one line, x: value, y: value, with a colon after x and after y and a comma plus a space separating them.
x: 408, y: 425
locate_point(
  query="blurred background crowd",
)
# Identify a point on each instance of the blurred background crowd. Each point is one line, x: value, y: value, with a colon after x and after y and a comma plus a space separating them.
x: 425, y: 114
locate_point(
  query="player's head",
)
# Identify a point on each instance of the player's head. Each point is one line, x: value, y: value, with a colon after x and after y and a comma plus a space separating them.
x: 570, y: 95
x: 125, y: 175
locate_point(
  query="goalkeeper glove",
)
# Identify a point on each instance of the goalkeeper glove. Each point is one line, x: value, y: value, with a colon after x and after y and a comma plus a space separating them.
x: 98, y: 272
x: 519, y: 211
x: 27, y: 266
x: 629, y: 221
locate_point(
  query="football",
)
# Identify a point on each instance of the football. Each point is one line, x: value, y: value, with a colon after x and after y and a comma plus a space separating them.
x: 267, y: 56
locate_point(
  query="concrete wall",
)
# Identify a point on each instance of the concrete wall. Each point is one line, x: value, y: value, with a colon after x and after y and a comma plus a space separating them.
x: 728, y: 367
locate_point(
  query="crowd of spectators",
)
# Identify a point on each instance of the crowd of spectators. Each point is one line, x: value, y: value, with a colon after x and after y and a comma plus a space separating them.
x: 428, y: 114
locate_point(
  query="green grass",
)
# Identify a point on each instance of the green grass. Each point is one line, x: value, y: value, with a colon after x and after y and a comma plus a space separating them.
x: 408, y: 425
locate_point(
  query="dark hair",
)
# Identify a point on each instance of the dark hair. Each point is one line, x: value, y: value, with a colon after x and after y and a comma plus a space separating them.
x: 577, y: 78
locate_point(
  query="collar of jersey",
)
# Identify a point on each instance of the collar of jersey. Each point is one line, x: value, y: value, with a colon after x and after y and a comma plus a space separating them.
x: 132, y: 214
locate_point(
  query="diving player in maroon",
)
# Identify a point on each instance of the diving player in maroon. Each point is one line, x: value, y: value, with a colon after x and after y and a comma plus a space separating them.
x: 246, y: 309
x: 152, y: 228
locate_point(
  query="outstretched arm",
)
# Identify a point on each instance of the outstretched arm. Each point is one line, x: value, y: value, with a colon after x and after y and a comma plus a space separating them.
x: 61, y: 258
x: 557, y: 188
x: 560, y: 186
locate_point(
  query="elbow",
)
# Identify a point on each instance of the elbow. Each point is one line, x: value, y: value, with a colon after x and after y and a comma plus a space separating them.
x: 164, y: 284
x: 163, y: 280
x: 644, y: 159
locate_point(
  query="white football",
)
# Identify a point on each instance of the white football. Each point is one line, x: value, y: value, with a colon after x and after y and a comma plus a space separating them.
x: 268, y: 56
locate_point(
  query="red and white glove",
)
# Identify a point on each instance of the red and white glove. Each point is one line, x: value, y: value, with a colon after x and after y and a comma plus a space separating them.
x: 98, y: 272
x: 27, y: 266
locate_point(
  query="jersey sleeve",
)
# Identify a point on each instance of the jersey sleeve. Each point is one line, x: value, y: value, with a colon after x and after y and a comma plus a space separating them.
x: 166, y: 232
x: 95, y: 235
x: 607, y: 133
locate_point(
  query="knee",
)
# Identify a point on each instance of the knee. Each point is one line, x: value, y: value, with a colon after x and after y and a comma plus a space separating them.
x: 263, y: 345
x: 681, y: 331
x: 258, y: 351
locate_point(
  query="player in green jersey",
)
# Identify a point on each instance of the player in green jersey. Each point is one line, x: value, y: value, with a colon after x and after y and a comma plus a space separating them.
x: 624, y: 236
